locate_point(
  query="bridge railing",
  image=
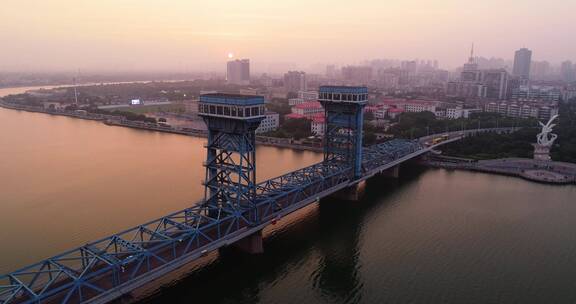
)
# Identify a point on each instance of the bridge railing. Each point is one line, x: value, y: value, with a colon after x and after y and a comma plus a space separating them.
x: 470, y: 132
x: 94, y: 268
x: 98, y: 267
x: 277, y: 194
x: 104, y: 265
x: 379, y: 155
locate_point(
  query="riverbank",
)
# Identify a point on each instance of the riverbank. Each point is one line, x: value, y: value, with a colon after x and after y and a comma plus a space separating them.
x: 112, y: 120
x: 550, y: 172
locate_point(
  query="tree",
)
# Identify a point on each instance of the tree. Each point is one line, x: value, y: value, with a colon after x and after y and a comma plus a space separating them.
x: 492, y: 145
x: 369, y: 138
x: 134, y: 117
x: 369, y: 134
x: 424, y: 123
x: 279, y: 106
x: 519, y: 144
x: 297, y: 128
x: 292, y: 95
x: 368, y: 116
x: 72, y: 107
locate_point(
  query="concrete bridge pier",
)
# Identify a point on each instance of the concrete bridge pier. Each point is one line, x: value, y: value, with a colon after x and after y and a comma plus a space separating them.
x: 252, y: 244
x: 393, y: 172
x: 353, y: 193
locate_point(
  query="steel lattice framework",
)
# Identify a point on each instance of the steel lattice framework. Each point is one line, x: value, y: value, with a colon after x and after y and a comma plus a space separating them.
x: 230, y: 184
x: 96, y: 271
x: 343, y: 108
x: 93, y: 271
x: 102, y: 270
x: 379, y: 155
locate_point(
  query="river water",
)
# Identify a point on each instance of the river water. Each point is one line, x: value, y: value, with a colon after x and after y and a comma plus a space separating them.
x: 433, y: 236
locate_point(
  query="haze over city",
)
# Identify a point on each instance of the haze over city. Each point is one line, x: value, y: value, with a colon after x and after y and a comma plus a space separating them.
x: 136, y: 35
x: 319, y: 151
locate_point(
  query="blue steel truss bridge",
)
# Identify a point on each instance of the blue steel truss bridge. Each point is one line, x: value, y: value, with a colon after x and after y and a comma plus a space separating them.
x: 235, y: 207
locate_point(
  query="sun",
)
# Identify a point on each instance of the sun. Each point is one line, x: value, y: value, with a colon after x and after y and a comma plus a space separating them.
x: 230, y: 55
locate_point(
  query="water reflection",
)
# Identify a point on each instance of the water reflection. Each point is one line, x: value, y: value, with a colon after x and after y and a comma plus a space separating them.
x: 339, y: 279
x: 73, y: 181
x: 321, y: 244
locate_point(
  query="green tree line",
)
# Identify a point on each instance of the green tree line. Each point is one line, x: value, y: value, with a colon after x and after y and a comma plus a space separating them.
x: 519, y: 144
x: 414, y: 125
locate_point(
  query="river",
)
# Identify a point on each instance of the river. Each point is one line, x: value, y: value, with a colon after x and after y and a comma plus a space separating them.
x: 433, y: 236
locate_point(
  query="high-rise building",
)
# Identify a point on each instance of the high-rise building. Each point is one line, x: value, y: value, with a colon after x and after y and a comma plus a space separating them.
x: 569, y: 94
x: 331, y: 71
x: 470, y: 71
x: 409, y: 67
x: 466, y: 89
x: 567, y: 71
x: 470, y: 84
x: 238, y: 71
x: 303, y: 97
x: 471, y: 65
x: 522, y: 60
x: 295, y: 81
x: 522, y: 109
x: 357, y: 74
x: 540, y: 70
x: 496, y: 81
x: 270, y: 122
x: 536, y: 93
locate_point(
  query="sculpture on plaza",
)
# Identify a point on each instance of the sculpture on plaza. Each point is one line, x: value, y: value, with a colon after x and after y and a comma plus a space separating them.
x: 546, y: 137
x: 545, y: 140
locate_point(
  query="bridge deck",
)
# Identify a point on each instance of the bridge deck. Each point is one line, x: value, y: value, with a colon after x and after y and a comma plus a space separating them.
x: 129, y: 259
x: 102, y: 270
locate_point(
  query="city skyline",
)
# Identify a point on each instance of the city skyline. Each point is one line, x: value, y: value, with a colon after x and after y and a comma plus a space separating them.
x: 181, y: 36
x: 225, y: 151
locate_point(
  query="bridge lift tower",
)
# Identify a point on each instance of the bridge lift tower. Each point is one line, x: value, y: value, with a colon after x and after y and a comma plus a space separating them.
x: 343, y: 107
x: 230, y: 184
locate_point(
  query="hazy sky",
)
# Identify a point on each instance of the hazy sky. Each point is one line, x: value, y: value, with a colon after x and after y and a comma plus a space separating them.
x: 186, y: 35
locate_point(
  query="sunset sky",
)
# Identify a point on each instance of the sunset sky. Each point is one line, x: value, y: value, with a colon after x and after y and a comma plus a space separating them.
x: 197, y: 35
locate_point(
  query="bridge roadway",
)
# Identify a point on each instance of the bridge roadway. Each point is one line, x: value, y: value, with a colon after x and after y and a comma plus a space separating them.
x: 106, y: 269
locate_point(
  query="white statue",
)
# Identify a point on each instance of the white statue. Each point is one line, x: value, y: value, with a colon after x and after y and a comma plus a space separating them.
x: 543, y: 137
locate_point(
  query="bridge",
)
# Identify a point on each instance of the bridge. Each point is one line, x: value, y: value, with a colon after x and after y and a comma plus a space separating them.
x: 235, y: 207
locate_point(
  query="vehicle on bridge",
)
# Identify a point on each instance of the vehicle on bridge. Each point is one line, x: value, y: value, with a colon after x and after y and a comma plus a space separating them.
x: 437, y: 140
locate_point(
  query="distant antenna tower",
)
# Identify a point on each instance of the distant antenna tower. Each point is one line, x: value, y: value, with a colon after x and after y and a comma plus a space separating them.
x: 75, y: 92
x: 472, y: 59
